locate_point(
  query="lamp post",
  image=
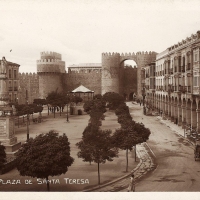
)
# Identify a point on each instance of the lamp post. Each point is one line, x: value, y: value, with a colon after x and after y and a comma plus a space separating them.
x: 67, y: 114
x: 68, y: 101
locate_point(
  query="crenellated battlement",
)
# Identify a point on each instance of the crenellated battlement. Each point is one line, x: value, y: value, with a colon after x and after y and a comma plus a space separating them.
x: 50, y: 61
x: 47, y: 54
x: 28, y: 74
x: 185, y: 42
x: 110, y: 54
x: 128, y: 54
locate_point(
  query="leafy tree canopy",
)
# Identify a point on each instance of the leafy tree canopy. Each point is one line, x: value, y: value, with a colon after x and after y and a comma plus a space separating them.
x: 98, y: 96
x: 40, y: 101
x: 76, y: 99
x: 96, y: 109
x: 121, y: 109
x: 97, y: 146
x: 46, y: 155
x: 113, y: 99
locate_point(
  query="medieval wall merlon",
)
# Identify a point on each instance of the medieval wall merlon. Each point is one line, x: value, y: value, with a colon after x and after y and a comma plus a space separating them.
x: 51, y: 54
x: 84, y: 71
x: 110, y: 54
x: 51, y: 61
x: 28, y: 74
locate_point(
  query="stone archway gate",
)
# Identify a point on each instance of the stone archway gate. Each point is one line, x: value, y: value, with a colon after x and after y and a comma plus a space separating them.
x: 112, y: 70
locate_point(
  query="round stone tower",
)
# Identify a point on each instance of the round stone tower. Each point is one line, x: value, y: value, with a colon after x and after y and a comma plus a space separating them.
x: 110, y: 79
x: 50, y: 69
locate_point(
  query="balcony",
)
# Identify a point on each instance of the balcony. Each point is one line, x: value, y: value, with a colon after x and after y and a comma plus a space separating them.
x: 15, y: 88
x: 183, y: 68
x: 183, y: 89
x: 171, y: 71
x: 170, y: 89
x: 10, y: 89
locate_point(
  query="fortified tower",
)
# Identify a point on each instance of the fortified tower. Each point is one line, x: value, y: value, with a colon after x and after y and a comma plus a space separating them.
x: 113, y: 70
x: 110, y: 80
x: 50, y: 69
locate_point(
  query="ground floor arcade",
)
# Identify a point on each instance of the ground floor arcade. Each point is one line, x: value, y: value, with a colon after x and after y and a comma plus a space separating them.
x: 182, y: 109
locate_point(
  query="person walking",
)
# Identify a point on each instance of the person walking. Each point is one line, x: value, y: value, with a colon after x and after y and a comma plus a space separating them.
x: 131, y: 187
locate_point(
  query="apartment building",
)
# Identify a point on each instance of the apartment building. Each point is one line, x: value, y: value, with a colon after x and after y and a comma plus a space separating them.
x: 177, y: 83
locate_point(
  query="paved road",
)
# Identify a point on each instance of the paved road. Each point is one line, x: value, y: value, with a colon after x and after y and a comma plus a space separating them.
x: 176, y: 169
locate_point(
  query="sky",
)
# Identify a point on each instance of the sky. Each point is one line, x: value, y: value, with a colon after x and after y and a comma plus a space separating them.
x: 82, y: 30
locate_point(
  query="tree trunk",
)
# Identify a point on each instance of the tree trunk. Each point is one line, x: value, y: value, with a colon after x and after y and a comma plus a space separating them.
x: 126, y: 160
x: 48, y: 110
x: 60, y: 111
x: 54, y: 111
x: 135, y: 153
x: 27, y: 127
x: 48, y: 188
x: 98, y: 174
x: 18, y: 121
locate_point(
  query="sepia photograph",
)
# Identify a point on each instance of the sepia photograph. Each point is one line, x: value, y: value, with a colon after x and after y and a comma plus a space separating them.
x: 100, y: 96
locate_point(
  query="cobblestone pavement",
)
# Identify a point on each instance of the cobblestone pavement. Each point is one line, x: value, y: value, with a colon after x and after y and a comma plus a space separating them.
x: 145, y: 165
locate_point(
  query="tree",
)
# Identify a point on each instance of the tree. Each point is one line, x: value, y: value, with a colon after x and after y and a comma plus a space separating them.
x: 75, y: 99
x: 96, y: 146
x: 121, y: 109
x: 40, y: 102
x: 98, y: 96
x: 2, y: 156
x: 113, y: 99
x: 46, y: 155
x: 96, y: 109
x: 55, y: 99
x: 130, y: 134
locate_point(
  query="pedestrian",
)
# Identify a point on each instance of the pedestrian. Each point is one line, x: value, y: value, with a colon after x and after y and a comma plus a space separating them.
x: 131, y: 187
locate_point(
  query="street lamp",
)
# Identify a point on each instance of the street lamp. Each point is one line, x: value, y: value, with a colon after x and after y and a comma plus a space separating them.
x: 68, y: 101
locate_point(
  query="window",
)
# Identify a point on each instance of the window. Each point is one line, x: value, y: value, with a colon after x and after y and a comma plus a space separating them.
x: 15, y: 74
x: 195, y: 57
x: 195, y: 81
x: 10, y: 76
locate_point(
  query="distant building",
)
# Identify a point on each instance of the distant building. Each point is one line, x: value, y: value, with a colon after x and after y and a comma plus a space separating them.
x: 12, y: 72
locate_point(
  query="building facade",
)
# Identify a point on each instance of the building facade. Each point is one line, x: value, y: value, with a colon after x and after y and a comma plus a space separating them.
x: 12, y: 74
x: 177, y: 83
